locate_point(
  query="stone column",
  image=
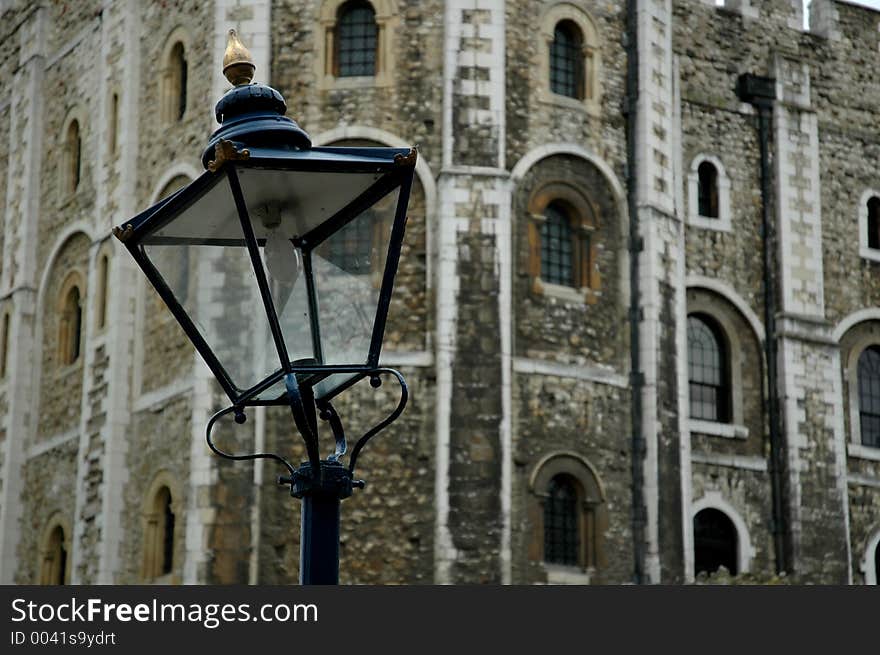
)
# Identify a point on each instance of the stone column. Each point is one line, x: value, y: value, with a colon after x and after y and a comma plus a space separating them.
x: 18, y: 281
x: 809, y: 384
x: 472, y: 541
x: 661, y: 296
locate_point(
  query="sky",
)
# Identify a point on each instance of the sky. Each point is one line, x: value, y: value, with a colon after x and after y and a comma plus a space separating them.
x: 874, y: 4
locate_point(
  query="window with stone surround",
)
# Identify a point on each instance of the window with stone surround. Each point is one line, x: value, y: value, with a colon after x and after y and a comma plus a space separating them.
x: 725, y: 363
x: 869, y: 396
x: 707, y: 183
x: 566, y: 60
x: 54, y: 566
x: 869, y: 225
x: 355, y: 40
x: 161, y: 510
x: 569, y: 518
x: 354, y: 43
x: 562, y: 241
x: 72, y: 168
x: 708, y: 194
x: 569, y: 58
x: 708, y: 370
x: 715, y: 542
x: 174, y: 78
x: 70, y: 323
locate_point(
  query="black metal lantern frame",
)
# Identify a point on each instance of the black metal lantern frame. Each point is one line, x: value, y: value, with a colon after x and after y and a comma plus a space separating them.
x: 393, y: 169
x: 270, y: 215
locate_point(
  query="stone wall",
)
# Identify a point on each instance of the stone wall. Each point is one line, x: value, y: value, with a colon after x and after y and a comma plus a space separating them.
x: 158, y: 442
x: 61, y: 383
x: 386, y: 528
x: 48, y: 489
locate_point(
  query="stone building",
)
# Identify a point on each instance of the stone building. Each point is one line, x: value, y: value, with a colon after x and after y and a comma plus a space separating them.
x: 637, y: 306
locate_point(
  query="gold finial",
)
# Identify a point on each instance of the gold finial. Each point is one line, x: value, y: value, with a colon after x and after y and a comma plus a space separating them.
x: 238, y: 65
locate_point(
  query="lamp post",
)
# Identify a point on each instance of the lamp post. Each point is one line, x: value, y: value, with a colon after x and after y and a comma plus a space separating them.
x: 278, y: 262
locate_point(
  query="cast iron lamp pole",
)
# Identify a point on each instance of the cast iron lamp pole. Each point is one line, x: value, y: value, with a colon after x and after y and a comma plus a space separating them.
x: 267, y: 232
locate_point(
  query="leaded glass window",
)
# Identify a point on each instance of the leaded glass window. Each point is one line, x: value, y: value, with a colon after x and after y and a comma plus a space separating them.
x: 566, y: 61
x: 708, y: 190
x: 869, y: 396
x: 707, y: 371
x: 561, y: 531
x: 556, y: 247
x: 351, y: 249
x: 356, y: 40
x: 874, y: 222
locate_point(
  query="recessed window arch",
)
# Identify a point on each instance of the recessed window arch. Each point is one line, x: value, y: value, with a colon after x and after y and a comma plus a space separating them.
x: 354, y: 43
x: 54, y: 564
x: 869, y: 224
x: 569, y: 58
x: 102, y: 296
x: 566, y: 60
x: 870, y: 565
x: 70, y: 324
x: 569, y: 517
x: 113, y: 126
x: 161, y: 530
x: 716, y: 542
x: 563, y: 239
x: 72, y: 166
x: 869, y: 396
x: 709, y: 194
x: 708, y: 370
x: 174, y: 78
x: 4, y: 344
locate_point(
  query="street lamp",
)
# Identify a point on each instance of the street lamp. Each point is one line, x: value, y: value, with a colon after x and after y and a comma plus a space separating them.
x: 278, y: 262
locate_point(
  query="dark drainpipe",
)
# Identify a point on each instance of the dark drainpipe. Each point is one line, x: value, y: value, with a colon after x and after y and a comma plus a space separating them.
x: 639, y: 512
x: 760, y: 92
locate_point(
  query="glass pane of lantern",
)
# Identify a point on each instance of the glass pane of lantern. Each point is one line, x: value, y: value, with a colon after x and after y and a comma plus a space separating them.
x: 220, y: 292
x: 348, y: 268
x: 300, y: 200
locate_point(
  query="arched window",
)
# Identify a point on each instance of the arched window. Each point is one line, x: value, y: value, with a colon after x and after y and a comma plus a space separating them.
x: 869, y: 396
x: 114, y: 123
x: 877, y: 563
x: 570, y: 518
x: 708, y: 367
x: 562, y: 239
x: 567, y: 60
x: 174, y: 83
x: 557, y: 246
x: 561, y: 529
x: 4, y: 345
x: 53, y: 564
x: 159, y: 535
x: 874, y: 222
x: 356, y: 40
x: 103, y: 279
x: 73, y: 154
x: 70, y: 325
x: 715, y: 542
x: 708, y: 190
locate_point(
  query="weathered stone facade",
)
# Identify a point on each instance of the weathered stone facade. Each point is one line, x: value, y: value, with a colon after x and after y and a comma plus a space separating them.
x: 513, y: 378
